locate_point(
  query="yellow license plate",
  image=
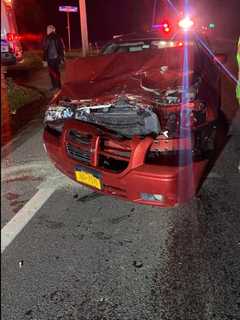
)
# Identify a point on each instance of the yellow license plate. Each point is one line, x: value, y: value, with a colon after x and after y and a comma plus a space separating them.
x: 88, y: 179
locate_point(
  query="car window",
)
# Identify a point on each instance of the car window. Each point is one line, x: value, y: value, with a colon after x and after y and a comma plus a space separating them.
x: 109, y: 48
x: 135, y: 49
x: 125, y: 47
x: 130, y: 47
x: 139, y: 46
x: 121, y: 49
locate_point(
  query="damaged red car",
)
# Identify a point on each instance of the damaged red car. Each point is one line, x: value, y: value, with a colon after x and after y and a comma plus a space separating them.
x: 139, y: 122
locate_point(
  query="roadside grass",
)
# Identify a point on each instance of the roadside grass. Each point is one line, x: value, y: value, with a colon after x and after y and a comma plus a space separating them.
x: 33, y: 59
x: 19, y: 96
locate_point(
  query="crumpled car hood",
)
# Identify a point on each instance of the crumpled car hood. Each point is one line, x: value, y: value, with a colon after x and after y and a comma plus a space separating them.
x: 117, y: 74
x: 130, y: 83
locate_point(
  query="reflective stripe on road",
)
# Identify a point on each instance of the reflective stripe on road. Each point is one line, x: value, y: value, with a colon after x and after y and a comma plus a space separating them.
x: 20, y: 220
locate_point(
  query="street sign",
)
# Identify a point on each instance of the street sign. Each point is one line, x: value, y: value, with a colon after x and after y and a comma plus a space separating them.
x: 68, y: 9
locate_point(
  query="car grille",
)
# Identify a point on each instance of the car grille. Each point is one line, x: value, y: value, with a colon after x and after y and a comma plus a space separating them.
x: 78, y: 154
x: 79, y: 146
x: 79, y: 138
x: 114, y: 158
x: 102, y: 151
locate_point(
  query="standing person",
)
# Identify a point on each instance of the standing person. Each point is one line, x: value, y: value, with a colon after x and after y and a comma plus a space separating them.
x: 53, y: 56
x: 238, y: 60
x: 238, y: 84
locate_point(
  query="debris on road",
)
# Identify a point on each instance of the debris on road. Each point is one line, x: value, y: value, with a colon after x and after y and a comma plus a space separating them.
x: 137, y: 264
x: 20, y: 264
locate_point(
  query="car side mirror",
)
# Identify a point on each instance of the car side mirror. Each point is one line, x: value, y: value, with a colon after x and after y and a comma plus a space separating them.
x: 221, y: 57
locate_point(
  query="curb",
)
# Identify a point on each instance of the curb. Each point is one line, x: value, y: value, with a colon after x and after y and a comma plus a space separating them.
x: 23, y: 116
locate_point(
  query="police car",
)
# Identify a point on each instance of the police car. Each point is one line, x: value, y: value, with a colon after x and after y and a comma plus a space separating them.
x: 7, y: 55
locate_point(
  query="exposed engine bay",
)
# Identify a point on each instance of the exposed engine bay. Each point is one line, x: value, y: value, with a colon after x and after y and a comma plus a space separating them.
x: 124, y: 115
x: 129, y: 115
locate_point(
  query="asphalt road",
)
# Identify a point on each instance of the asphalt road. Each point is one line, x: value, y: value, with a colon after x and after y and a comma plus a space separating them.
x: 88, y: 257
x: 85, y: 256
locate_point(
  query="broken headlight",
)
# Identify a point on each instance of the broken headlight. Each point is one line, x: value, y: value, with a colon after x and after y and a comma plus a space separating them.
x: 174, y: 96
x: 122, y: 115
x: 58, y: 112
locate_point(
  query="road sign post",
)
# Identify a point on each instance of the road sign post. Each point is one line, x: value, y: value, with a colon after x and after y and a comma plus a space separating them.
x: 68, y: 10
x: 69, y: 31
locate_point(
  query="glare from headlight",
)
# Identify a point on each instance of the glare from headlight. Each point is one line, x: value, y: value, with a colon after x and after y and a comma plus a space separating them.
x: 55, y: 112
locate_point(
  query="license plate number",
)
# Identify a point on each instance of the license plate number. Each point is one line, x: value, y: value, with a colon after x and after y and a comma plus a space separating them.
x: 88, y: 178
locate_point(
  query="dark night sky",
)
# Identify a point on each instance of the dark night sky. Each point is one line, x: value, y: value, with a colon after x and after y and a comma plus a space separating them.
x: 109, y: 17
x: 105, y: 17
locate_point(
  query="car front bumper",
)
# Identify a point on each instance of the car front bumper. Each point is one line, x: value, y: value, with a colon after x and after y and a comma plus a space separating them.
x: 172, y: 185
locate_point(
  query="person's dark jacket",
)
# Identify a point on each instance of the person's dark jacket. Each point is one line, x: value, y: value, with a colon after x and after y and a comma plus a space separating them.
x: 53, y: 47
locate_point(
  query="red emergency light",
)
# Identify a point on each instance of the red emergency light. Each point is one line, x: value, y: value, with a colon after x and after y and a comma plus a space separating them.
x: 13, y: 37
x: 24, y: 37
x: 10, y: 36
x: 166, y: 27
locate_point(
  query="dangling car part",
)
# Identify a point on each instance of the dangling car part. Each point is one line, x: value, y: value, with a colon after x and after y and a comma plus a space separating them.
x: 122, y: 116
x: 125, y: 129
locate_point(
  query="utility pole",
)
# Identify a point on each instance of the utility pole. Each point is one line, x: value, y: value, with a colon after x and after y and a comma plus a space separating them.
x: 84, y: 28
x: 69, y: 31
x: 154, y: 13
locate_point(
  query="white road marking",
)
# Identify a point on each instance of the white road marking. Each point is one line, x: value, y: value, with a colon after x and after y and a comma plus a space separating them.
x: 24, y: 215
x: 34, y: 165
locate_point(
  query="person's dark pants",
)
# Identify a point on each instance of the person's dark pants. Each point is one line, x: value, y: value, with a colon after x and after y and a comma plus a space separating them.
x: 54, y: 73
